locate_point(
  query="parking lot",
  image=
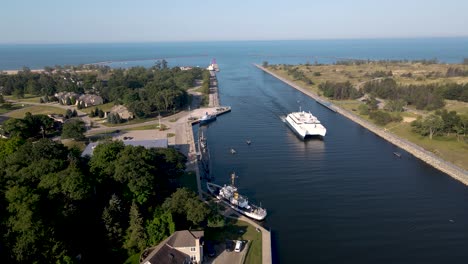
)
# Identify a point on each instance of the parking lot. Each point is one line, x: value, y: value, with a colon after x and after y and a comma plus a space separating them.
x: 228, y: 256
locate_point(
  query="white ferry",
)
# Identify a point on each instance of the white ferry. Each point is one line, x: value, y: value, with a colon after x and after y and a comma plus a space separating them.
x: 305, y: 124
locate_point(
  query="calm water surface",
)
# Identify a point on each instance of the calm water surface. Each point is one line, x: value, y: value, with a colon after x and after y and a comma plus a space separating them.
x: 346, y: 199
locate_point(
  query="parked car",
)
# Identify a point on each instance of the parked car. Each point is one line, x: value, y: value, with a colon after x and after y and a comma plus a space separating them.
x: 238, y: 246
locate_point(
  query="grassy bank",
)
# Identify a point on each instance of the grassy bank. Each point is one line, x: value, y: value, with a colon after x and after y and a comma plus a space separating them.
x: 36, y: 110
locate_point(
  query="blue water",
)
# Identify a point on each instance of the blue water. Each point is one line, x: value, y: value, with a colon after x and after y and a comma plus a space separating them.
x: 346, y: 199
x: 450, y: 50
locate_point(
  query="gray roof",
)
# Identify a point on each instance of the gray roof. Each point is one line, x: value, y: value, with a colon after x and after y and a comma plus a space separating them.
x: 167, y: 255
x: 155, y: 143
x: 184, y: 238
x: 166, y: 252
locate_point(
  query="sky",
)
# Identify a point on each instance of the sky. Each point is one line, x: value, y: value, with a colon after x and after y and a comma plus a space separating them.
x: 101, y: 21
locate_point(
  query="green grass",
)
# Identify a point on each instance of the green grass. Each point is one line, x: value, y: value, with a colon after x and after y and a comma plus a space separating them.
x: 81, y: 145
x: 133, y: 259
x: 36, y: 110
x: 146, y: 127
x: 104, y: 107
x: 189, y: 181
x: 460, y: 107
x: 446, y: 147
x: 12, y: 108
x: 238, y: 230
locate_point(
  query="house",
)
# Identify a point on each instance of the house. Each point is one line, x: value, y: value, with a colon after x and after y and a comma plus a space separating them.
x: 88, y: 100
x: 181, y: 247
x: 62, y: 97
x: 122, y: 111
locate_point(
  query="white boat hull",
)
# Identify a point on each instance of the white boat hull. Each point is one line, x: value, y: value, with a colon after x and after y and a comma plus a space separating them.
x: 211, y: 188
x: 305, y: 130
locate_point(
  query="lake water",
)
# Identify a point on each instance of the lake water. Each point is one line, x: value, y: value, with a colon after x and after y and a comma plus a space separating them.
x: 346, y: 199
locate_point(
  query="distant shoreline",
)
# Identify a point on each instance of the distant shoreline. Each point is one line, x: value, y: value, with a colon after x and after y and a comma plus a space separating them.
x: 417, y: 151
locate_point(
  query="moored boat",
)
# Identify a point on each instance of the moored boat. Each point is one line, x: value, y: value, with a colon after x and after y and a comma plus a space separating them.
x: 207, y: 118
x: 229, y: 195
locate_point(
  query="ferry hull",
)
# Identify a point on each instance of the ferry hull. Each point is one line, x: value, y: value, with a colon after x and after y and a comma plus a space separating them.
x: 303, y: 134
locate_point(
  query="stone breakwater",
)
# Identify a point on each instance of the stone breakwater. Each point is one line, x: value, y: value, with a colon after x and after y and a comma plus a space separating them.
x: 417, y: 151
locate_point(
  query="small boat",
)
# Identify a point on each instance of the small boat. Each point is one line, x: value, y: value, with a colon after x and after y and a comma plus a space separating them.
x: 233, y: 151
x: 248, y: 142
x: 207, y: 118
x: 398, y: 154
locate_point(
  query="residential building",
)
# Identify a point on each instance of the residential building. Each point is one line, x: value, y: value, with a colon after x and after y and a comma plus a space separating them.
x: 184, y: 247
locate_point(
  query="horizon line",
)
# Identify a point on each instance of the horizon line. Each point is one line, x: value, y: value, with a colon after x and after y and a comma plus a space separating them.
x: 244, y: 40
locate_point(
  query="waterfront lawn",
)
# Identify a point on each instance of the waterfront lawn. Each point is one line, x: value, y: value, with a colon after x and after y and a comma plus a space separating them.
x: 238, y: 230
x: 448, y: 148
x: 36, y: 110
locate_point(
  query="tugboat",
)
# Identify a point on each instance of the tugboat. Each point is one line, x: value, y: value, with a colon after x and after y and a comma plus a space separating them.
x: 229, y: 195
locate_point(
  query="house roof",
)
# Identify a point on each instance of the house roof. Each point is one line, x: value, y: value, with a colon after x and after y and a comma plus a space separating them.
x: 167, y: 255
x: 184, y: 238
x: 166, y: 252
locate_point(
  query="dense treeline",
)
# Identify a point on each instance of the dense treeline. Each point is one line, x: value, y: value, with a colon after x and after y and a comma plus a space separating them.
x: 440, y: 123
x: 339, y: 91
x: 385, y: 62
x: 424, y: 96
x: 58, y: 207
x: 144, y: 91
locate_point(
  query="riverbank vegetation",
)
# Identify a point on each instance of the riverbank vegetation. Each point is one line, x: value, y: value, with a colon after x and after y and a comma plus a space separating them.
x: 56, y: 206
x: 384, y: 92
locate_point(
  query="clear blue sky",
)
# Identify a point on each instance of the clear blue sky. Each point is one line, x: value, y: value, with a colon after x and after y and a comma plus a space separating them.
x: 78, y: 21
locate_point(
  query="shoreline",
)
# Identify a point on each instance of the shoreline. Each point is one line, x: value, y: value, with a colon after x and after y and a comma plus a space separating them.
x: 428, y: 157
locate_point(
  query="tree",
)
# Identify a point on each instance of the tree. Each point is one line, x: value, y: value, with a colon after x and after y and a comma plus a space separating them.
x: 136, y: 236
x: 432, y: 124
x: 135, y: 168
x: 185, y: 203
x: 102, y: 163
x: 111, y: 217
x: 2, y: 100
x: 74, y: 128
x: 265, y: 64
x: 160, y: 226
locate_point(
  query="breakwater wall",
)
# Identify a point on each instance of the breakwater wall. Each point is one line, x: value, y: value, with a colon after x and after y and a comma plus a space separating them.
x: 452, y: 170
